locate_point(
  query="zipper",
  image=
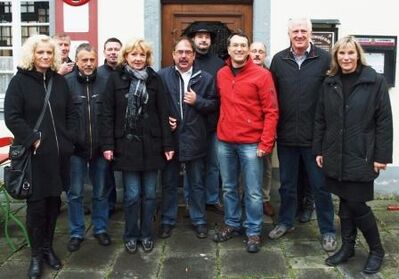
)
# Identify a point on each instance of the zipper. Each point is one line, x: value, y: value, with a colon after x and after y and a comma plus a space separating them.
x: 89, y: 112
x: 52, y: 117
x: 55, y: 131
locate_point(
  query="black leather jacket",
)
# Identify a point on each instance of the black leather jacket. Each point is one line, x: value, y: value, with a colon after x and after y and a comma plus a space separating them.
x: 87, y: 94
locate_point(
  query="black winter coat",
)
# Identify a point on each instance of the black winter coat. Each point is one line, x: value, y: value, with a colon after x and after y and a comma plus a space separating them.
x: 352, y: 136
x: 298, y: 91
x: 146, y: 153
x: 87, y: 94
x: 191, y: 133
x: 23, y: 104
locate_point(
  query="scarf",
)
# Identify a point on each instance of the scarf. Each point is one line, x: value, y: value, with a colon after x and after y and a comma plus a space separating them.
x: 137, y: 98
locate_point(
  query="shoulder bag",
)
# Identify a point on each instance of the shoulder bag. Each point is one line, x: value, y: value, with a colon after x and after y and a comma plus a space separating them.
x: 18, y: 176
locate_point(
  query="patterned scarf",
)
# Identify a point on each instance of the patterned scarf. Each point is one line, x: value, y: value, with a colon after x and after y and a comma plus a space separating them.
x: 137, y: 98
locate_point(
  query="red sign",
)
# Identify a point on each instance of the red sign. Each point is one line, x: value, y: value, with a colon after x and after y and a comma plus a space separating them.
x: 76, y: 2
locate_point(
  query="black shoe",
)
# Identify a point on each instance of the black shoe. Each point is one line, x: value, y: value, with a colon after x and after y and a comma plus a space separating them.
x: 306, y: 215
x: 131, y: 246
x: 253, y: 244
x: 74, y: 244
x: 218, y: 208
x: 103, y: 239
x: 201, y: 231
x: 165, y: 231
x: 35, y: 267
x: 51, y: 258
x: 374, y: 262
x: 147, y: 245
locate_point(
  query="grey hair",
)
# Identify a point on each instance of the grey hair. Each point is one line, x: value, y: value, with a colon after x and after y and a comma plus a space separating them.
x: 294, y: 21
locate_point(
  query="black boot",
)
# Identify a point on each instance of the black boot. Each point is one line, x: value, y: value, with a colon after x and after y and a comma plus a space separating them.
x: 347, y: 250
x: 48, y: 253
x: 35, y: 267
x: 368, y: 226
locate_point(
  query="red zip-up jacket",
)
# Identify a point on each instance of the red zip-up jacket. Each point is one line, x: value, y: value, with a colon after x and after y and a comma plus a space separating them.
x: 248, y: 106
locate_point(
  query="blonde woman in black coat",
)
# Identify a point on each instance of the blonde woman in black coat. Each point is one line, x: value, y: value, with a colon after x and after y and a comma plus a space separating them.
x: 353, y: 143
x: 137, y: 138
x: 52, y: 143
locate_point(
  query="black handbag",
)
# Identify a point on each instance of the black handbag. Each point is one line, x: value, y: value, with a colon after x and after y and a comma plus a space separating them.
x: 18, y: 176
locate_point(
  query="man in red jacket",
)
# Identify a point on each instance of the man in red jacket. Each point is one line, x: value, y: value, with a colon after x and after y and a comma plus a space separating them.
x: 246, y: 133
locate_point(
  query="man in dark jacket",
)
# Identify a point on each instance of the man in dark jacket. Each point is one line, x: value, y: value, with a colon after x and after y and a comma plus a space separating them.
x: 192, y: 96
x: 203, y: 38
x: 64, y: 42
x: 87, y: 88
x: 112, y: 46
x: 298, y: 72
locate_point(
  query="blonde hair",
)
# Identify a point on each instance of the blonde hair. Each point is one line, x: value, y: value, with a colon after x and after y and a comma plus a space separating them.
x: 140, y: 44
x: 344, y: 42
x: 29, y: 48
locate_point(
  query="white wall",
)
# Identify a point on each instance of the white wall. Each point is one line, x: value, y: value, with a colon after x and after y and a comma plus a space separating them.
x: 357, y: 18
x: 123, y: 19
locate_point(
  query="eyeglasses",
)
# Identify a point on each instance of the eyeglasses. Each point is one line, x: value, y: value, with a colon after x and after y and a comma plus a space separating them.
x: 186, y: 52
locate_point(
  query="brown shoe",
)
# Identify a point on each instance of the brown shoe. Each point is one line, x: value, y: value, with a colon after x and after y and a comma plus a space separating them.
x: 218, y: 208
x: 268, y: 209
x: 253, y: 244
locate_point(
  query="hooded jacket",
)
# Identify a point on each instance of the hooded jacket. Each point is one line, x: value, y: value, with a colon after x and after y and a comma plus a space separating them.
x: 22, y: 106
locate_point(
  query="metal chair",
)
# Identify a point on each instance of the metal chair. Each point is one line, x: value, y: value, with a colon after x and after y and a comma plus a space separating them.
x: 9, y: 214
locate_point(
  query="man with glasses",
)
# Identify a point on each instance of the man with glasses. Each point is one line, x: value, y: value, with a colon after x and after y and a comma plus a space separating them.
x: 246, y: 133
x: 192, y: 97
x: 258, y: 55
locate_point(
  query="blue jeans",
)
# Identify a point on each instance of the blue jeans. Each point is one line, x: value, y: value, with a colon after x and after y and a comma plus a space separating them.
x: 139, y: 202
x: 233, y: 159
x: 196, y: 191
x: 111, y: 184
x: 98, y: 171
x: 212, y: 173
x: 289, y: 160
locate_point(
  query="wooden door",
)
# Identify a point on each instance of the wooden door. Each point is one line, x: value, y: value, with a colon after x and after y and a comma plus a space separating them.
x: 177, y: 17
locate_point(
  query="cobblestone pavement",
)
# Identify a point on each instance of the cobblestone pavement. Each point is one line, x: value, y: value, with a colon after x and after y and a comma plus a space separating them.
x: 296, y: 255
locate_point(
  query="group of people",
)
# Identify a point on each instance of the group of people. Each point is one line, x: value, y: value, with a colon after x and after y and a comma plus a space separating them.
x: 214, y: 121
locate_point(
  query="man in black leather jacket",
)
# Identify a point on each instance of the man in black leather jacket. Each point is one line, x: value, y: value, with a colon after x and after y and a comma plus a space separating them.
x: 87, y: 88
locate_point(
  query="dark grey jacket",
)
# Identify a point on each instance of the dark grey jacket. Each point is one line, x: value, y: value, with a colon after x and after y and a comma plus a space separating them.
x: 298, y: 91
x: 191, y: 133
x: 351, y: 136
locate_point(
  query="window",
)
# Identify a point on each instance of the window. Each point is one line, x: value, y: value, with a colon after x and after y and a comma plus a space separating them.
x: 19, y: 20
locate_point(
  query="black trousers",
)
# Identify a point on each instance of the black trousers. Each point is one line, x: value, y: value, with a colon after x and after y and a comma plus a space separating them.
x: 41, y: 219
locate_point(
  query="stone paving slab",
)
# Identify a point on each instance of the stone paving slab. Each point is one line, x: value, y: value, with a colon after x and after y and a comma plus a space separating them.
x: 140, y: 265
x: 240, y: 264
x: 185, y: 266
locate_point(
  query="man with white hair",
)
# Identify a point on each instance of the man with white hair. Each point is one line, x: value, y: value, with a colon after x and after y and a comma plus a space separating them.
x: 258, y: 54
x: 299, y: 71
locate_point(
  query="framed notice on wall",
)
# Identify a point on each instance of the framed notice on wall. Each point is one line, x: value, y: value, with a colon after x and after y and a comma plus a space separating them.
x: 323, y: 39
x: 380, y: 54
